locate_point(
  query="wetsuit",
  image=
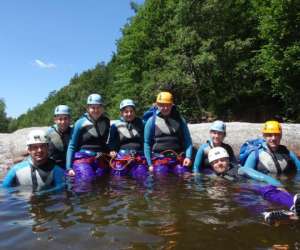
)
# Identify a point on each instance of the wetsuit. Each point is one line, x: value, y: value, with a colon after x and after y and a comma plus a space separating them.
x: 25, y: 173
x: 269, y: 192
x: 58, y: 144
x: 165, y: 133
x: 127, y: 136
x: 201, y: 160
x: 280, y: 161
x: 88, y: 136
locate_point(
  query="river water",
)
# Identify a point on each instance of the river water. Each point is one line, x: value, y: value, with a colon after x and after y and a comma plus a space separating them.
x: 154, y: 213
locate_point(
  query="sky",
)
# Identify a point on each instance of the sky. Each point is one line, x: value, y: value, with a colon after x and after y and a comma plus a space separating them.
x: 45, y: 43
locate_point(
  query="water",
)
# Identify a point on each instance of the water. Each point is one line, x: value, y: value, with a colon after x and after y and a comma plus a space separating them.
x: 122, y: 213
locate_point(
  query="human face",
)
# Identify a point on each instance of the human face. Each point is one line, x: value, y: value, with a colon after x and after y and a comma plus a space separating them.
x: 164, y: 108
x: 63, y: 122
x: 217, y: 137
x: 128, y: 113
x: 38, y: 153
x: 220, y: 165
x: 95, y: 110
x: 273, y: 140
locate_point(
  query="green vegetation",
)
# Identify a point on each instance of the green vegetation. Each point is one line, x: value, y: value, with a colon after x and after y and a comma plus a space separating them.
x: 235, y: 60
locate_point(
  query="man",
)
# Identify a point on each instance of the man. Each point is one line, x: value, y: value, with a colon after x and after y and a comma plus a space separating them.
x: 59, y: 135
x: 167, y: 130
x: 273, y: 157
x: 37, y: 170
x: 273, y: 192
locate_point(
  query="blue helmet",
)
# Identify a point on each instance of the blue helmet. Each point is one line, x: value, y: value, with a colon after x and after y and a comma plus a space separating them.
x: 95, y: 99
x: 126, y: 103
x: 218, y: 126
x: 62, y: 110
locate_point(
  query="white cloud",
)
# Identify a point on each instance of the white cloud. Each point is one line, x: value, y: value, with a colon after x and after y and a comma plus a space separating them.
x: 44, y: 65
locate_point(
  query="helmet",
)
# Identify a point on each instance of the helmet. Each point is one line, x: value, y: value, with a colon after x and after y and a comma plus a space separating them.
x: 36, y: 137
x: 218, y: 126
x: 272, y: 127
x: 164, y: 97
x: 217, y: 153
x: 62, y: 110
x: 95, y: 99
x: 126, y: 103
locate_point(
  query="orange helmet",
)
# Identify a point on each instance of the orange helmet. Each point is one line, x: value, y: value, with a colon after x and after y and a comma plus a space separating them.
x: 272, y: 127
x: 164, y: 97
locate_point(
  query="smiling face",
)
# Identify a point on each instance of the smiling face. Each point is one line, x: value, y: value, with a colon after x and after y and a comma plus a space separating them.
x: 95, y: 110
x: 220, y: 165
x: 38, y: 153
x: 273, y: 140
x: 128, y: 113
x: 165, y: 108
x: 217, y: 137
x: 63, y: 122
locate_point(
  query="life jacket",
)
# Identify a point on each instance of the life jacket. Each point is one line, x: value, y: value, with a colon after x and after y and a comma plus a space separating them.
x: 58, y: 144
x: 167, y: 134
x: 275, y: 162
x: 37, y: 177
x: 131, y: 134
x: 93, y: 134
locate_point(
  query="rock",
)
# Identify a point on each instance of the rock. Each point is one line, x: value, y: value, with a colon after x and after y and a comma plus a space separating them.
x: 12, y: 146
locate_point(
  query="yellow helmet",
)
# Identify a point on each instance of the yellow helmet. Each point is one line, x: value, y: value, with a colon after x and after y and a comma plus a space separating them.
x: 272, y: 127
x: 164, y: 97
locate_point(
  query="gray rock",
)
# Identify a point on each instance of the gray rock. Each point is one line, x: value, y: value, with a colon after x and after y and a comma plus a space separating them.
x: 12, y: 146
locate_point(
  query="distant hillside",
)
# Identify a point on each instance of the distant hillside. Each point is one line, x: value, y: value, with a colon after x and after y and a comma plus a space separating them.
x: 236, y: 60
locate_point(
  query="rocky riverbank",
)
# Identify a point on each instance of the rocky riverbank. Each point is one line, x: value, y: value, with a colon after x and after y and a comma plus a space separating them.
x: 12, y: 146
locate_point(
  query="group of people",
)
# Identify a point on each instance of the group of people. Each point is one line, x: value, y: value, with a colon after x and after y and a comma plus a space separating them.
x: 84, y: 151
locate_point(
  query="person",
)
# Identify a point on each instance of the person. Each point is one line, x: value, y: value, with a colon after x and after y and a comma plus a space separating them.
x: 167, y: 130
x: 220, y: 164
x: 37, y: 170
x: 217, y: 134
x: 126, y: 134
x: 89, y: 137
x: 273, y: 157
x: 59, y: 135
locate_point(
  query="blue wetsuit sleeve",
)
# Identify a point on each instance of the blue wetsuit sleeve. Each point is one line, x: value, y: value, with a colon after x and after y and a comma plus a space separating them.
x: 148, y: 140
x: 188, y: 145
x: 256, y: 175
x: 295, y: 160
x: 113, y: 138
x: 251, y: 161
x: 199, y: 158
x: 10, y: 177
x: 73, y: 144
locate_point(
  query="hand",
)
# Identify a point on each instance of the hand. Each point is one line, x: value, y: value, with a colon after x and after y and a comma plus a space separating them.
x: 150, y: 168
x: 112, y: 154
x: 71, y: 172
x: 187, y: 162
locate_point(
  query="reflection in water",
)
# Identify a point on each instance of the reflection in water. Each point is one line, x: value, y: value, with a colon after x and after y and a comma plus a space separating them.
x: 190, y: 212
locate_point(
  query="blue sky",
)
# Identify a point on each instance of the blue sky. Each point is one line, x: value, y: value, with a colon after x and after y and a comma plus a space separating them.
x: 44, y: 43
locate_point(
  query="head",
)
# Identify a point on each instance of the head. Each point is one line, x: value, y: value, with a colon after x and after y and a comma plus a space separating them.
x: 127, y: 110
x: 218, y: 159
x: 217, y: 132
x: 272, y: 132
x: 37, y: 146
x: 95, y: 106
x: 164, y: 102
x: 62, y: 117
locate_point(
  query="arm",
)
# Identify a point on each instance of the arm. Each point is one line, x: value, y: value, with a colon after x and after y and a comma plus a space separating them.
x: 113, y: 138
x: 148, y: 140
x: 10, y: 177
x: 295, y: 160
x: 188, y: 145
x: 73, y: 144
x: 199, y: 158
x: 256, y: 175
x: 251, y: 161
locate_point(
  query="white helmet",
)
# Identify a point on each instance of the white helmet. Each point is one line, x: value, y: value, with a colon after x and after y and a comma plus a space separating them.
x: 36, y: 137
x: 217, y: 153
x: 62, y: 110
x: 126, y: 103
x: 94, y: 99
